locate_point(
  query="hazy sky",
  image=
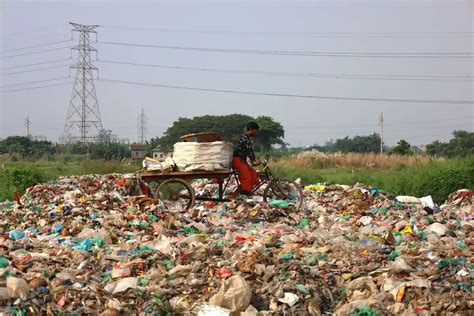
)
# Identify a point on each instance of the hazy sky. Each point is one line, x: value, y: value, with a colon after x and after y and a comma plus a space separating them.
x: 378, y: 26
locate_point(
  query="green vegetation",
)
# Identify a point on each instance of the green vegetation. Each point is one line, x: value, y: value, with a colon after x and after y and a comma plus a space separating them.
x: 437, y: 179
x: 461, y: 145
x: 17, y: 175
x: 23, y: 147
x: 25, y: 162
x: 358, y: 144
x: 230, y: 127
x: 402, y: 148
x: 19, y: 178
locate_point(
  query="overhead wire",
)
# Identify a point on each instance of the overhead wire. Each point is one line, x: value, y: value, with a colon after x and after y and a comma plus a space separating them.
x: 299, y: 74
x: 36, y: 52
x: 289, y: 95
x: 32, y: 82
x: 37, y: 30
x: 38, y: 87
x: 303, y: 34
x: 302, y: 53
x: 349, y: 127
x: 33, y: 70
x: 34, y: 46
x: 35, y: 64
x: 386, y: 124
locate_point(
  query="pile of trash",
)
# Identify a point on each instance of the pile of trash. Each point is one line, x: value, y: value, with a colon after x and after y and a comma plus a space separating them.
x: 88, y: 244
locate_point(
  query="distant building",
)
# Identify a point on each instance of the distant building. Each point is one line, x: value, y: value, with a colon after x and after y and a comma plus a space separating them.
x: 160, y: 154
x: 137, y: 151
x: 329, y: 143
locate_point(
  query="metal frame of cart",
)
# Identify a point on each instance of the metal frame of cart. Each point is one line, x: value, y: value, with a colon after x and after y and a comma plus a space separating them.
x: 276, y: 188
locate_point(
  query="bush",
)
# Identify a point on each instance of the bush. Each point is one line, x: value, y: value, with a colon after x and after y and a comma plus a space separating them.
x: 438, y: 180
x: 19, y: 179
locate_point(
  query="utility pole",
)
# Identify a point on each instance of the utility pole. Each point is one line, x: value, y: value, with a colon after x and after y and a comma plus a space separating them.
x: 141, y: 127
x: 381, y: 133
x: 28, y: 125
x: 83, y: 112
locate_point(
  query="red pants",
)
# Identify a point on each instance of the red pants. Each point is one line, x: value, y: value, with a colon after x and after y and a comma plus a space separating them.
x: 247, y: 175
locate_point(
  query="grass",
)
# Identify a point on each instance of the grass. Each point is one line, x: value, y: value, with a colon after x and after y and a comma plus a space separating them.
x: 398, y: 175
x: 318, y: 160
x: 63, y: 166
x: 411, y: 177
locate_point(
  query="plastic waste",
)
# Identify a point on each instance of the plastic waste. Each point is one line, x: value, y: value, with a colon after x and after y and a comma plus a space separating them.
x: 234, y: 294
x: 280, y: 203
x: 209, y: 310
x: 17, y: 288
x: 438, y: 228
x: 289, y: 298
x: 122, y: 285
x: 354, y: 249
x: 16, y: 234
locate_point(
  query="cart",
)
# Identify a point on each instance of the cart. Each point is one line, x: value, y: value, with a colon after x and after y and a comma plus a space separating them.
x: 176, y: 186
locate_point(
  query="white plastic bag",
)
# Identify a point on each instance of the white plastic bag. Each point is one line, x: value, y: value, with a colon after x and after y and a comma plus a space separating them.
x: 234, y: 294
x: 190, y: 156
x: 122, y: 285
x: 17, y: 288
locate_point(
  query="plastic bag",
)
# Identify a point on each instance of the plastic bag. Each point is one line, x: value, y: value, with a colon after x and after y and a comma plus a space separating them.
x: 122, y: 285
x: 234, y: 294
x: 289, y: 298
x: 17, y: 288
x: 162, y: 244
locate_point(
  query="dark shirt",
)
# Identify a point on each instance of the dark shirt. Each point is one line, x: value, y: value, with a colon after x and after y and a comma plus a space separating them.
x: 244, y: 149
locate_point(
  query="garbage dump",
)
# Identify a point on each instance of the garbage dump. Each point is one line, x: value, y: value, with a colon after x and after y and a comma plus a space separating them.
x: 89, y: 245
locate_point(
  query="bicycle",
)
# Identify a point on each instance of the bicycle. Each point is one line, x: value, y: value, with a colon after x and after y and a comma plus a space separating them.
x: 276, y: 188
x: 176, y: 187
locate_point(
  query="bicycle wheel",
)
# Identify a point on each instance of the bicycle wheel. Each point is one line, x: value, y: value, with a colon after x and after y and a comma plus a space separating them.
x: 281, y: 189
x: 174, y: 192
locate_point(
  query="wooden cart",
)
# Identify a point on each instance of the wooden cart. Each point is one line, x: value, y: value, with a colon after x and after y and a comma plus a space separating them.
x: 176, y: 186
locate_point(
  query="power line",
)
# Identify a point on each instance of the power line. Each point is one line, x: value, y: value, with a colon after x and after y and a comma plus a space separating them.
x: 379, y: 125
x: 39, y: 87
x: 291, y: 95
x: 32, y: 70
x: 34, y: 46
x: 35, y: 64
x: 31, y: 82
x: 304, y: 34
x: 299, y: 74
x: 302, y: 53
x: 38, y: 30
x: 385, y: 124
x: 36, y: 52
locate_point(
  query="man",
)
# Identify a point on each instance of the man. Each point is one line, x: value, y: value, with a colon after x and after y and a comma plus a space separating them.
x: 244, y: 150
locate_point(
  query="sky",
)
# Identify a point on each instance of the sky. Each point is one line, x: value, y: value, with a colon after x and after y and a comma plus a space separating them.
x: 422, y: 28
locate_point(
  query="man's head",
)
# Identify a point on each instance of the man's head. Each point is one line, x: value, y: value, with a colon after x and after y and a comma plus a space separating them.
x: 252, y: 128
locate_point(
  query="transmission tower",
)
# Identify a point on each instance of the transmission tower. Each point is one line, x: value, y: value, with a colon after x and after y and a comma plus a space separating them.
x: 141, y: 127
x: 83, y: 121
x: 28, y: 127
x: 381, y: 132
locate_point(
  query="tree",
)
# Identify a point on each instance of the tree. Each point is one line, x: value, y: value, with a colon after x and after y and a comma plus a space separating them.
x: 109, y: 151
x: 230, y: 127
x: 436, y: 148
x: 461, y: 145
x: 26, y: 147
x: 402, y: 148
x: 358, y: 144
x: 270, y: 133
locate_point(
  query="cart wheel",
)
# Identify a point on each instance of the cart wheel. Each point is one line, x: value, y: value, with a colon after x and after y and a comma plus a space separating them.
x: 281, y: 189
x: 176, y: 192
